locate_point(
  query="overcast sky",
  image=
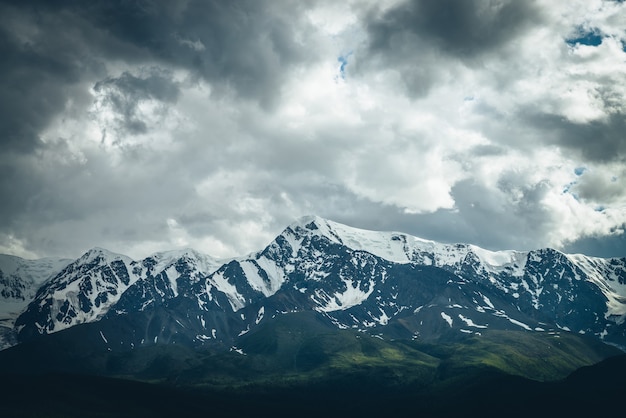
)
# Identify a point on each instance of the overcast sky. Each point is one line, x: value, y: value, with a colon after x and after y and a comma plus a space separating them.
x: 141, y: 126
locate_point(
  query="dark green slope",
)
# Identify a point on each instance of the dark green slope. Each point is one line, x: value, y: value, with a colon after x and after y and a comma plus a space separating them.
x: 299, y: 349
x: 297, y: 365
x: 592, y: 391
x: 302, y: 349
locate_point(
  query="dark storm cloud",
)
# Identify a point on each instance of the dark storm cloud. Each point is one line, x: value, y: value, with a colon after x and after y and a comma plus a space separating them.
x: 462, y: 28
x: 36, y: 77
x: 605, y: 246
x: 49, y: 48
x: 425, y: 39
x: 248, y: 43
x: 597, y: 141
x: 243, y: 45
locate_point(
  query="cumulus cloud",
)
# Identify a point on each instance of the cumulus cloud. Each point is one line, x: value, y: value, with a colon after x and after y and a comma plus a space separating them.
x: 148, y: 125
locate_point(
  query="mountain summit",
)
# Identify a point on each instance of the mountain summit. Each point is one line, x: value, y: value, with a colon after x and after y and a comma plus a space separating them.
x: 388, y: 284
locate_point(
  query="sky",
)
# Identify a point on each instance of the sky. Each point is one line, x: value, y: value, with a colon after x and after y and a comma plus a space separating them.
x: 142, y: 126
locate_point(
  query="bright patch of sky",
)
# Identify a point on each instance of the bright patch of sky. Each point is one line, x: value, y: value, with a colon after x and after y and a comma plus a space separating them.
x: 592, y: 38
x: 343, y: 61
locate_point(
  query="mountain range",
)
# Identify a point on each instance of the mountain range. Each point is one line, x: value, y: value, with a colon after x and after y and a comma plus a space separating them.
x: 384, y: 283
x: 322, y: 301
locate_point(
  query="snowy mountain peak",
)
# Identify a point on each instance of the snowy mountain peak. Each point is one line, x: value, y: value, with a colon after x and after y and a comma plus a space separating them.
x: 203, y: 262
x: 391, y: 246
x: 497, y: 261
x: 102, y: 255
x: 403, y: 248
x: 309, y: 220
x: 37, y: 271
x: 183, y: 252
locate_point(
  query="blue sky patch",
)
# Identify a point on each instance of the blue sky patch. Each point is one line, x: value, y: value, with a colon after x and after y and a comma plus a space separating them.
x: 343, y: 59
x: 586, y: 37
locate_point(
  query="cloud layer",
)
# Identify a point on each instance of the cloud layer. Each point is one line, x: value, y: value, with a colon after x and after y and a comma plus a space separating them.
x: 150, y: 125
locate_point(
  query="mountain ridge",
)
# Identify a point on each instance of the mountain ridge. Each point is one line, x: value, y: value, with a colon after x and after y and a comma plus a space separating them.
x: 352, y: 277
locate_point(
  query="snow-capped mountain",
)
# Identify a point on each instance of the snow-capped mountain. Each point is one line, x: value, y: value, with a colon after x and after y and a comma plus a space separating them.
x: 384, y: 283
x: 19, y: 281
x: 87, y: 289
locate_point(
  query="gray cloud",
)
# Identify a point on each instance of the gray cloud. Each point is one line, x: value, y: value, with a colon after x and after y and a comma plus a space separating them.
x: 229, y: 119
x: 60, y: 205
x: 38, y: 76
x: 462, y: 29
x: 49, y: 48
x: 487, y: 150
x: 480, y: 217
x: 600, y: 187
x: 241, y: 45
x: 425, y: 39
x: 599, y: 141
x: 604, y: 246
x: 124, y: 94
